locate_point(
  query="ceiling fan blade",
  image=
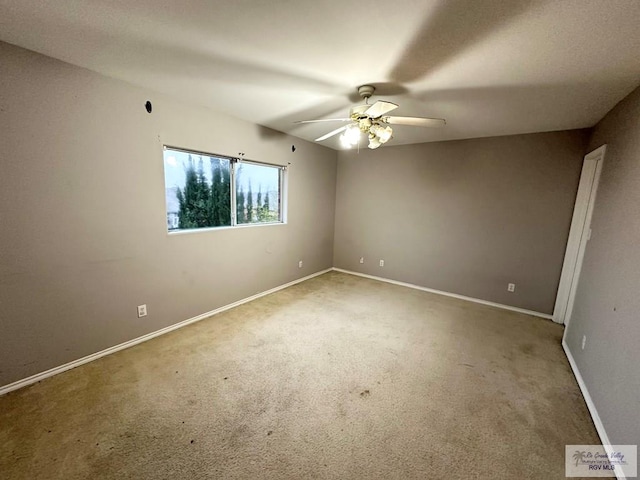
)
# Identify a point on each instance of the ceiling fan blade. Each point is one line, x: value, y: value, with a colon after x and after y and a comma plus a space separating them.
x: 325, y: 120
x: 380, y: 108
x: 415, y: 121
x: 331, y: 133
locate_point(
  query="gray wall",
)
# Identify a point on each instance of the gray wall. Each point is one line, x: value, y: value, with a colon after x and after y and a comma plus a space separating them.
x: 82, y: 213
x: 464, y: 217
x: 607, y: 305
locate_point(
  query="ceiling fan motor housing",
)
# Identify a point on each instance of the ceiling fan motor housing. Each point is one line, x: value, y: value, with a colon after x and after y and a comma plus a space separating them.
x: 357, y: 112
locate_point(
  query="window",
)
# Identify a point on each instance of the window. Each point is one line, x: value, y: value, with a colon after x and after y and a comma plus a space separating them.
x: 206, y: 191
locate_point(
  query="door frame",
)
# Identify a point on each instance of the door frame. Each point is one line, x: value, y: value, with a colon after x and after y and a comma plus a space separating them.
x: 579, y: 235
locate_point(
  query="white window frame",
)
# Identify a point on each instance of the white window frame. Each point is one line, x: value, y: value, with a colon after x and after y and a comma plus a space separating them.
x: 233, y: 162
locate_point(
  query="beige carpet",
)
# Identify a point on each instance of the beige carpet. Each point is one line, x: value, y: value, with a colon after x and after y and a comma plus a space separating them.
x: 339, y: 377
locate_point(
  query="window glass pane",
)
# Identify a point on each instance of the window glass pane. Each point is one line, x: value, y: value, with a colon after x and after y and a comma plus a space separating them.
x: 197, y: 190
x: 257, y: 193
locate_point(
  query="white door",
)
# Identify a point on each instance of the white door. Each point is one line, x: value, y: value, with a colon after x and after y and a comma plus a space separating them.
x: 579, y: 235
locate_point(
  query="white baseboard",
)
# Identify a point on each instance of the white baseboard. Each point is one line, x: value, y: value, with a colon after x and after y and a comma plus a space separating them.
x: 604, y: 438
x: 94, y: 356
x: 447, y: 294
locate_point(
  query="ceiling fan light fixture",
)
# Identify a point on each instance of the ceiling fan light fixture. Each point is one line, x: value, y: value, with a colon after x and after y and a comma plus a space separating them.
x: 351, y: 136
x: 374, y: 142
x: 382, y: 133
x: 364, y: 124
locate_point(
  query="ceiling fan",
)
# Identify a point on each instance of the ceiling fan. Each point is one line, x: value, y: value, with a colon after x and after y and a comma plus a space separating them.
x: 373, y: 121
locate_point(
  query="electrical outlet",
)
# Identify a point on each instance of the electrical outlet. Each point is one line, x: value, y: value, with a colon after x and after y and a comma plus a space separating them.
x: 142, y: 311
x: 361, y: 259
x: 584, y: 341
x: 511, y: 287
x: 382, y: 263
x: 300, y: 264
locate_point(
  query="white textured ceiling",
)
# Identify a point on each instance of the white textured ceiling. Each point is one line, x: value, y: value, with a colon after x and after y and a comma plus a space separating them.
x: 488, y: 67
